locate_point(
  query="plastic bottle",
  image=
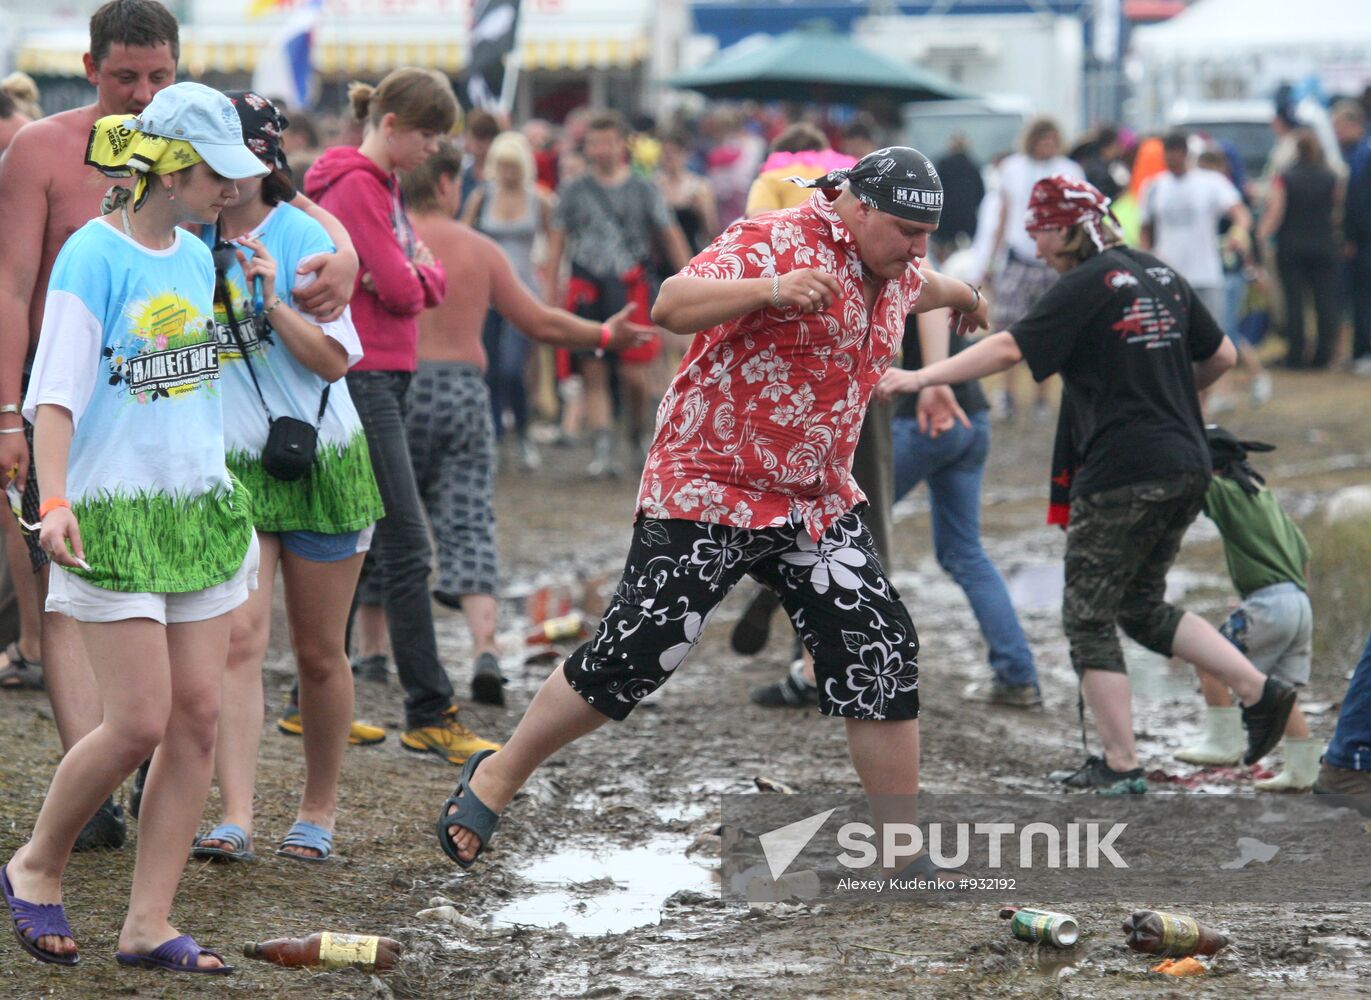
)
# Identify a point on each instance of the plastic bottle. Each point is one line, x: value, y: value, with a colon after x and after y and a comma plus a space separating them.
x: 1042, y: 926
x: 572, y: 626
x: 1170, y: 934
x: 329, y: 951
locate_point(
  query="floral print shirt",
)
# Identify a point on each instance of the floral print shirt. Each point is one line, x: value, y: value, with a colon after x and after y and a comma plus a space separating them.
x: 761, y: 419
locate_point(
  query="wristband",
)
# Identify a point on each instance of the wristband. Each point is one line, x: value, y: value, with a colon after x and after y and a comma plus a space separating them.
x: 776, y: 291
x: 268, y: 310
x: 51, y: 504
x: 976, y: 304
x: 10, y: 408
x: 11, y: 430
x: 605, y: 336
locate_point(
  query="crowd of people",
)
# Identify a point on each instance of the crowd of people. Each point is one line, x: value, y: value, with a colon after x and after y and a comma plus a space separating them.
x: 217, y: 363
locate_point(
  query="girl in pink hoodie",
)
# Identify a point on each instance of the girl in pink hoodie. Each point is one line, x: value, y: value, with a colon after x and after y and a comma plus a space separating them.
x: 403, y: 118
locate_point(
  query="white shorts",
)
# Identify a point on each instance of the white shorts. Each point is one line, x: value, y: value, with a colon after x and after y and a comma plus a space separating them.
x: 75, y: 598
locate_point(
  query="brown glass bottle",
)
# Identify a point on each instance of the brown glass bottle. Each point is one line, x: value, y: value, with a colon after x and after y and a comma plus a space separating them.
x: 1170, y: 934
x: 329, y: 951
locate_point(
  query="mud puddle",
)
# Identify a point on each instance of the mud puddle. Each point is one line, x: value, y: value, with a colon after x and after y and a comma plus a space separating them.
x: 597, y: 891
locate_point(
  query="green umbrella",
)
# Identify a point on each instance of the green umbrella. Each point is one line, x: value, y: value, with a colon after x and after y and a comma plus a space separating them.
x: 813, y: 65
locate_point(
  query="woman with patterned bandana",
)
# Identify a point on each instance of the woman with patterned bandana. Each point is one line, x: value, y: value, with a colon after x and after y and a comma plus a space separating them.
x: 794, y: 315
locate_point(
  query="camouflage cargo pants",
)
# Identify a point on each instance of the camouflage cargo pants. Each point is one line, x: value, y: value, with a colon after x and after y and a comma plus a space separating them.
x: 1119, y: 546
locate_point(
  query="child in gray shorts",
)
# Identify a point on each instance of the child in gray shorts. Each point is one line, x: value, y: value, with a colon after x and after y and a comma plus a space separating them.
x: 1268, y: 561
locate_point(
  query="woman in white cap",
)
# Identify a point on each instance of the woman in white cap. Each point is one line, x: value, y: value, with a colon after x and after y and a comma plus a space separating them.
x: 150, y: 537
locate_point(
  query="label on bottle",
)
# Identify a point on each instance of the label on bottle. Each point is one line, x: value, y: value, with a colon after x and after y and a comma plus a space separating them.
x: 341, y: 951
x: 1180, y: 935
x: 566, y: 627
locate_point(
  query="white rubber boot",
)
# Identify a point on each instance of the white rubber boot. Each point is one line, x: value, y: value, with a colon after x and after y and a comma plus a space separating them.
x: 1223, y: 738
x: 1301, y: 767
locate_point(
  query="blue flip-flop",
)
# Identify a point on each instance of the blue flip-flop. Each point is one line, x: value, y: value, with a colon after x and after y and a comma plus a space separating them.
x: 229, y: 833
x: 472, y: 814
x: 32, y: 922
x: 308, y: 835
x: 180, y: 954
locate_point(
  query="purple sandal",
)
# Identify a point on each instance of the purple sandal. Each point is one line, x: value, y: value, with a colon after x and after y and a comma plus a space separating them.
x: 34, y: 921
x: 180, y: 954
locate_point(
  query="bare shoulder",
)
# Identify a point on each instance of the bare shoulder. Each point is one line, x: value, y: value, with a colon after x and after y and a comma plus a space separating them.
x: 442, y: 235
x: 52, y: 145
x: 59, y: 133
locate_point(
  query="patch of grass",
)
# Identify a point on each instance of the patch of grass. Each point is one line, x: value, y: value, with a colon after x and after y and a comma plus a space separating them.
x: 1338, y: 592
x: 148, y: 541
x: 338, y: 495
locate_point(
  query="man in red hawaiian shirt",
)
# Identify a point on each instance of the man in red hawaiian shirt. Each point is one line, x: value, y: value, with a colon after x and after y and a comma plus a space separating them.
x: 795, y: 315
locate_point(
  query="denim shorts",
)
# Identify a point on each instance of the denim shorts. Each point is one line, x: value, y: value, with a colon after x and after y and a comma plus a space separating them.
x: 318, y: 547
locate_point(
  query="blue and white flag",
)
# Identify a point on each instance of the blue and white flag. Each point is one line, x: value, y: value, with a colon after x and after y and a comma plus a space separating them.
x: 284, y: 71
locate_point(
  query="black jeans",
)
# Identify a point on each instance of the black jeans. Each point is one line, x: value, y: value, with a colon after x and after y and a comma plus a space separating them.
x: 1316, y: 273
x: 401, y: 548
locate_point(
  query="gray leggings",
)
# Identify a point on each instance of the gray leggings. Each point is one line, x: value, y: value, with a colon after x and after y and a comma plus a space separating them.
x: 452, y: 448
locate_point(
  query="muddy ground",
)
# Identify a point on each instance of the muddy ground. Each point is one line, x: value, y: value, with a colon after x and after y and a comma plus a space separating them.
x: 598, y: 842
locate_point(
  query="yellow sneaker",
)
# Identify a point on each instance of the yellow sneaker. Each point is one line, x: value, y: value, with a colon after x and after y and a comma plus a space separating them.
x: 360, y: 735
x: 450, y: 740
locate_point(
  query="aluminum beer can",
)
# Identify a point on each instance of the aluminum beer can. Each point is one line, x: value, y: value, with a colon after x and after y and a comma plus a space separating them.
x: 1042, y: 926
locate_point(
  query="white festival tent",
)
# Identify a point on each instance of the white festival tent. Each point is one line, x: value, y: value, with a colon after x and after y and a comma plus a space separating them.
x: 1227, y: 28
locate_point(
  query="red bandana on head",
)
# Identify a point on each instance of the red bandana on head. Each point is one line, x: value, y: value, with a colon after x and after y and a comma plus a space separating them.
x: 1060, y: 202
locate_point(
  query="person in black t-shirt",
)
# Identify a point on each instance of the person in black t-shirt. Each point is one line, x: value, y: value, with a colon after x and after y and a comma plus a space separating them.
x: 1133, y: 345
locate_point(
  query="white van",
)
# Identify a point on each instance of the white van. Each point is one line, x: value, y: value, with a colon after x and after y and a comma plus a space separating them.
x: 992, y: 126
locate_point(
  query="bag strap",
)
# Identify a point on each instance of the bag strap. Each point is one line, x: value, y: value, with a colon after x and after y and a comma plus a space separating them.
x: 221, y: 294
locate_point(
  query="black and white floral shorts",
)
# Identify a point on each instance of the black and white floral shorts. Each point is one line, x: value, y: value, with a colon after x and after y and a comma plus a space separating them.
x: 836, y: 592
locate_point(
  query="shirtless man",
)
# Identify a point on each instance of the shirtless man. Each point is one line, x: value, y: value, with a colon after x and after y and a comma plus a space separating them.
x: 46, y: 194
x: 451, y: 437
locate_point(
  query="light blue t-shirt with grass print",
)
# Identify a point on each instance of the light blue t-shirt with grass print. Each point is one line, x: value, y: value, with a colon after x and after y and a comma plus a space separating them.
x: 128, y: 347
x: 339, y: 493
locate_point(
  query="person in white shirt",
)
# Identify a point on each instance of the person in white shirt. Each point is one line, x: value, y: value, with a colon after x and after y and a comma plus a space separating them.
x: 1180, y: 213
x: 1019, y: 277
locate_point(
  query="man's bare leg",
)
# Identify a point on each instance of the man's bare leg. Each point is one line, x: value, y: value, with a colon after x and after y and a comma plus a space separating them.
x: 886, y: 756
x: 1109, y: 696
x: 1205, y: 647
x: 481, y: 615
x: 29, y: 642
x: 556, y: 717
x: 372, y: 637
